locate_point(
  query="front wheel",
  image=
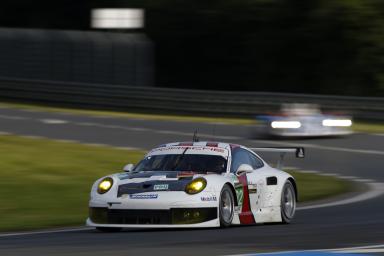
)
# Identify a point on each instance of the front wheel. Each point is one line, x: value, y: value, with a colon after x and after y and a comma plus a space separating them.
x: 226, y: 206
x: 288, y: 202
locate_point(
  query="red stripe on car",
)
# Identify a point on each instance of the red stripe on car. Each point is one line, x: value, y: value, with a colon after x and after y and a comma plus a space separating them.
x: 246, y: 215
x: 212, y: 144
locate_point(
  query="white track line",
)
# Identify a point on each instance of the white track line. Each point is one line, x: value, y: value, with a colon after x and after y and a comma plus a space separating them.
x: 62, y: 140
x: 375, y: 190
x: 309, y: 171
x: 365, y: 180
x: 53, y: 121
x: 349, y: 177
x: 330, y: 174
x: 45, y: 232
x: 72, y: 141
x: 379, y: 248
x: 35, y: 137
x: 13, y: 117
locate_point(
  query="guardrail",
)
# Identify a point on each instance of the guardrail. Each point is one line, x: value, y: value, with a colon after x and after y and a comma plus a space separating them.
x: 128, y: 98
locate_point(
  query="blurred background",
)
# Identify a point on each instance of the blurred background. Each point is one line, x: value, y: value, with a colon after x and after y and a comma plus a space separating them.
x: 318, y: 46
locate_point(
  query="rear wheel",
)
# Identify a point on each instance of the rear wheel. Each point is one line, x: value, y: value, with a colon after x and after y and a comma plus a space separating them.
x: 226, y: 206
x: 108, y: 229
x: 288, y: 202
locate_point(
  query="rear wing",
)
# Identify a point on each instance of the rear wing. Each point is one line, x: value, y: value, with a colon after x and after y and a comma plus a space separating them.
x: 298, y: 151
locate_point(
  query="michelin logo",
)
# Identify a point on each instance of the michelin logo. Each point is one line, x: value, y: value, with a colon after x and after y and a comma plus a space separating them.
x: 208, y: 198
x: 147, y: 196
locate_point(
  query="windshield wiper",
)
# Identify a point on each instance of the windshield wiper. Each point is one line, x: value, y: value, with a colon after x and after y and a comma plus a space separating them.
x: 179, y: 159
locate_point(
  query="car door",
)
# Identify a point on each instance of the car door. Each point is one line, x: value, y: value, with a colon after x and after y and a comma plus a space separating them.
x: 256, y: 183
x: 253, y: 184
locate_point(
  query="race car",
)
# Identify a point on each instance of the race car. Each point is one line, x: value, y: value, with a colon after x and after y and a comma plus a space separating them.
x: 304, y: 120
x: 195, y: 184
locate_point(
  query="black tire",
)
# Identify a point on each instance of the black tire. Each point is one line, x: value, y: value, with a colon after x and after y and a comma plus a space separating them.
x: 288, y: 202
x: 108, y: 229
x: 226, y: 206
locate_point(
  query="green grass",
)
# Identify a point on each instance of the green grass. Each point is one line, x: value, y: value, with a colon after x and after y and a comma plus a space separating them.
x: 46, y: 183
x: 313, y: 187
x: 368, y: 127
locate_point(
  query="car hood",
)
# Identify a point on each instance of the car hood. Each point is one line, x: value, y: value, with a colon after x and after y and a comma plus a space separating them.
x: 155, y: 181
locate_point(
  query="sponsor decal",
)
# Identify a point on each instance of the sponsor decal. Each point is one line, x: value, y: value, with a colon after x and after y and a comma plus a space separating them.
x: 240, y: 195
x: 146, y: 196
x: 252, y: 191
x: 160, y: 187
x: 252, y: 188
x: 208, y: 198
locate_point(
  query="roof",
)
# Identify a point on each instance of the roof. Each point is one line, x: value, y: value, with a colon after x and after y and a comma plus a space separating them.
x: 201, y: 147
x: 201, y: 144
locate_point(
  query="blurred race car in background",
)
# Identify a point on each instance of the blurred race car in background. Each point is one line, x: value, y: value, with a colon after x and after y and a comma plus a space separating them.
x: 304, y: 120
x: 195, y: 184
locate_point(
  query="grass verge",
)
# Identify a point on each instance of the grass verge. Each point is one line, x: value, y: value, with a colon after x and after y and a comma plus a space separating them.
x: 46, y: 183
x: 368, y: 127
x: 313, y: 187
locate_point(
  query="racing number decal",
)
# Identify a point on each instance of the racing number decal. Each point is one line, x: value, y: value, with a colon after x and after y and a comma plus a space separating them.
x: 246, y: 215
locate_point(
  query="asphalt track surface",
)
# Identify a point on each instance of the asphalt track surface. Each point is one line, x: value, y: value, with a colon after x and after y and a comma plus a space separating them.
x: 356, y: 224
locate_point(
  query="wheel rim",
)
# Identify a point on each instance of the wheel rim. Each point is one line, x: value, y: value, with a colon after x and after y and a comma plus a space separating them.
x: 289, y: 202
x: 226, y: 206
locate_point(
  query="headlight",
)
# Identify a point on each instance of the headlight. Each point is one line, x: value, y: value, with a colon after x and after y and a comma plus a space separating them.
x: 196, y: 186
x: 286, y: 124
x: 337, y: 122
x: 104, y: 185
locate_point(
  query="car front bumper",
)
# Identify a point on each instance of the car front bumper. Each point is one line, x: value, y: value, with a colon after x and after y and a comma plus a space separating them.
x: 175, y: 217
x: 167, y: 209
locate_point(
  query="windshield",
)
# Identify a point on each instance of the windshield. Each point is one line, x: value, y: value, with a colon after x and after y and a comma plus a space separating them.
x: 183, y: 162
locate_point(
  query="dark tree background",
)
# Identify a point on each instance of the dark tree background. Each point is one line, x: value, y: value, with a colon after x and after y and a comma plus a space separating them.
x: 313, y: 46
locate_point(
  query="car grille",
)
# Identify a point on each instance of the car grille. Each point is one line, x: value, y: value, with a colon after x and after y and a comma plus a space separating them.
x: 148, y: 186
x: 101, y: 215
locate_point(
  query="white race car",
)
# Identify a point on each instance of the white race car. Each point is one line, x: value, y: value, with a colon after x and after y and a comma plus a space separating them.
x: 195, y: 184
x: 304, y: 120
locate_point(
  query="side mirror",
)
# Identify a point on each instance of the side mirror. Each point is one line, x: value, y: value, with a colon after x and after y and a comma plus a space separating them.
x: 244, y: 168
x: 128, y: 167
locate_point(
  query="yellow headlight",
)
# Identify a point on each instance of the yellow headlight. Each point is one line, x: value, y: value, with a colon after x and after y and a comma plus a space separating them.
x: 105, y: 185
x: 196, y: 186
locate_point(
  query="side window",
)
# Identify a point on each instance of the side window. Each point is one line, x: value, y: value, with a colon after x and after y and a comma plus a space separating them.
x: 240, y: 156
x: 256, y: 162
